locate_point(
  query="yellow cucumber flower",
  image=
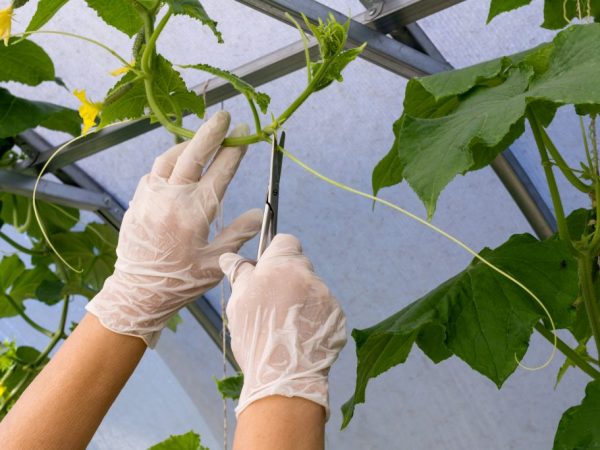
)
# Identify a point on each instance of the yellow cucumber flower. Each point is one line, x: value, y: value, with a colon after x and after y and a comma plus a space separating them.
x: 2, y: 389
x: 123, y: 70
x: 88, y: 110
x: 5, y: 23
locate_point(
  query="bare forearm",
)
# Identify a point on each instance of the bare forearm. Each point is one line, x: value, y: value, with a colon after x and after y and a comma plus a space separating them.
x: 275, y: 423
x: 64, y: 405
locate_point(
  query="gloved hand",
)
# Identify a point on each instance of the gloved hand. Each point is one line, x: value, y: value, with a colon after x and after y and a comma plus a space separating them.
x: 164, y: 258
x: 286, y: 327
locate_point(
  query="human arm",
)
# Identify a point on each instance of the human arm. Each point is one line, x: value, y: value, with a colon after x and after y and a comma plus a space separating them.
x: 287, y: 329
x: 164, y: 261
x: 65, y: 403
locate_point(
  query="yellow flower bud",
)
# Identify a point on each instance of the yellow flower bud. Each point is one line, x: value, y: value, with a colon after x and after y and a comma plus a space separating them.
x: 123, y: 70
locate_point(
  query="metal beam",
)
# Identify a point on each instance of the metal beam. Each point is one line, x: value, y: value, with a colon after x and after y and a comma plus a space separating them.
x: 397, y: 13
x: 21, y: 184
x: 381, y: 50
x: 110, y: 210
x: 274, y: 65
x: 211, y: 321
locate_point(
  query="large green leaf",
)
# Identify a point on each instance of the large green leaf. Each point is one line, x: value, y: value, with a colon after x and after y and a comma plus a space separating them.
x: 195, y: 10
x: 460, y: 121
x: 45, y: 11
x: 93, y: 251
x: 478, y: 315
x: 19, y: 283
x: 187, y: 441
x: 579, y: 427
x: 557, y: 13
x: 261, y: 99
x: 18, y: 114
x: 120, y: 14
x: 26, y: 62
x: 127, y: 99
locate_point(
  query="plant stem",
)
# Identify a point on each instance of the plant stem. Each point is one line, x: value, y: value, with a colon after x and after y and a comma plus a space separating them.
x: 562, y: 164
x: 151, y: 38
x: 563, y: 230
x: 255, y: 115
x: 285, y: 115
x: 584, y: 264
x: 19, y: 247
x: 595, y: 244
x: 571, y: 354
x: 146, y: 65
x: 26, y: 318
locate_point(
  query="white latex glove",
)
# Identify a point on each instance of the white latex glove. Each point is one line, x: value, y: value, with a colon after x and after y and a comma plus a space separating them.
x: 164, y: 258
x: 286, y: 327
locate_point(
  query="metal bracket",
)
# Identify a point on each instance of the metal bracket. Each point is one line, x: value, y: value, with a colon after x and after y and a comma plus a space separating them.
x: 374, y: 7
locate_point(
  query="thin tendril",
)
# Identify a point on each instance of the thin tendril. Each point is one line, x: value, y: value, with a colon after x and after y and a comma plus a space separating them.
x: 447, y: 236
x: 35, y: 189
x: 77, y: 36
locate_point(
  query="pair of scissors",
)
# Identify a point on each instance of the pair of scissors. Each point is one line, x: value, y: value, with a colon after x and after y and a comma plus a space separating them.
x: 269, y: 224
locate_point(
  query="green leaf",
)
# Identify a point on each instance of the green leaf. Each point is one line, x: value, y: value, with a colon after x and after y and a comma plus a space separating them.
x: 120, y: 14
x: 127, y: 99
x: 17, y: 210
x: 187, y: 441
x: 6, y: 144
x: 335, y: 67
x: 8, y: 353
x: 18, y: 114
x: 478, y: 315
x: 579, y: 427
x: 388, y: 171
x: 50, y: 291
x: 330, y: 35
x: 448, y: 84
x: 148, y: 4
x: 261, y: 99
x: 19, y: 283
x: 581, y: 350
x: 66, y: 120
x: 92, y: 250
x: 45, y: 11
x: 556, y: 10
x: 173, y: 322
x: 460, y: 121
x: 499, y: 6
x: 25, y: 62
x: 557, y: 13
x: 18, y: 3
x: 230, y: 387
x: 195, y: 10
